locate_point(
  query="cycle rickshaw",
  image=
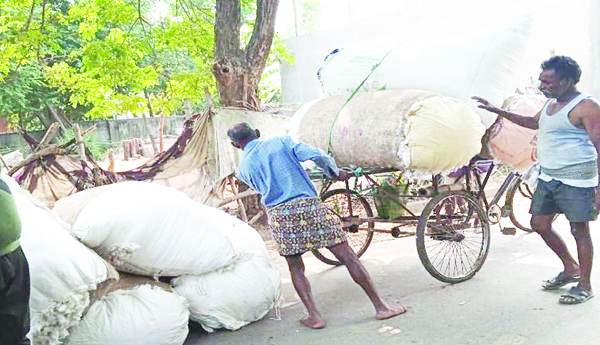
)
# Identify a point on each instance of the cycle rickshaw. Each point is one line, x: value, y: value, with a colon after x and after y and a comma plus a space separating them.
x: 452, y: 230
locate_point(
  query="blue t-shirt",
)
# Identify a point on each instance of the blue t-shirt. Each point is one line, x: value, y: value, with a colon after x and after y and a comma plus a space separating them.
x: 272, y: 167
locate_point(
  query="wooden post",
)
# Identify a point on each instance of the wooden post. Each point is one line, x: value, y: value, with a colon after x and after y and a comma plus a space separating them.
x: 111, y: 161
x: 187, y: 106
x: 126, y: 150
x: 50, y: 134
x: 161, y: 128
x: 79, y: 141
x: 209, y: 100
x: 241, y: 208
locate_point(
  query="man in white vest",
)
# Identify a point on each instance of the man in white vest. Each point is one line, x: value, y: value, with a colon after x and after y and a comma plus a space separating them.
x: 567, y: 146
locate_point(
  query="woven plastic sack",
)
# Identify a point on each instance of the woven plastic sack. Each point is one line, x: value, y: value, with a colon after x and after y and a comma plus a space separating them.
x: 512, y: 144
x: 140, y: 315
x: 399, y: 129
x: 232, y: 297
x: 482, y: 64
x: 153, y: 230
x: 63, y: 271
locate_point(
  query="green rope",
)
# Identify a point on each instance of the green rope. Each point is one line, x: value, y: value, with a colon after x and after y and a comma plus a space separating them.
x: 352, y: 95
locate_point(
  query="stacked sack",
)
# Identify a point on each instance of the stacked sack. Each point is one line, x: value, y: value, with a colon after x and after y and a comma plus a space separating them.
x: 64, y: 273
x: 483, y: 64
x: 134, y: 310
x: 399, y: 129
x: 510, y: 143
x: 220, y: 264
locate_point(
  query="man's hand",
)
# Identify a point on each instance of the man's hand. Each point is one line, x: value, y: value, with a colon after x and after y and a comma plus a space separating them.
x: 344, y: 175
x: 483, y: 104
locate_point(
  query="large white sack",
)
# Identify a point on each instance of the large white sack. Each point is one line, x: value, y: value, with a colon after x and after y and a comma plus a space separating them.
x: 482, y: 64
x: 233, y: 297
x: 142, y: 315
x: 153, y: 230
x: 63, y: 271
x: 68, y: 208
x: 399, y: 129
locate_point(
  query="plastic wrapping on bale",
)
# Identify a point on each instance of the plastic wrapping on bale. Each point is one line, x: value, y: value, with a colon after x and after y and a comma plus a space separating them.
x: 137, y: 315
x: 512, y: 144
x: 153, y: 230
x: 234, y: 296
x: 482, y: 64
x: 63, y: 271
x: 399, y: 129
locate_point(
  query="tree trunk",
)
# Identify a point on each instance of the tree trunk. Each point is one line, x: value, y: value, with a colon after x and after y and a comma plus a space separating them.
x: 238, y: 71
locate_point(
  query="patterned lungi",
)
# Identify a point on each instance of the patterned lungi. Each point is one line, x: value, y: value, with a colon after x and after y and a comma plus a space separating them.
x: 304, y: 224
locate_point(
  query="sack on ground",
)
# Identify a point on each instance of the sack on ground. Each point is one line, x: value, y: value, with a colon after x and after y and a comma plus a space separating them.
x: 63, y: 271
x: 134, y: 314
x: 233, y: 297
x: 153, y: 230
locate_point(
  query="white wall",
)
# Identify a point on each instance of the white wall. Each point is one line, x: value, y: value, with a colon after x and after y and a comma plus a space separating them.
x: 569, y: 27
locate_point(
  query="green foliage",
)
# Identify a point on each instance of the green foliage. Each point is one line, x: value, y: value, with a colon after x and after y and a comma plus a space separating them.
x: 103, y: 58
x: 99, y: 150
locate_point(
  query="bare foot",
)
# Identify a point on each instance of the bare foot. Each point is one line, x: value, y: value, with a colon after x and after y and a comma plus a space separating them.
x: 313, y: 323
x: 390, y: 312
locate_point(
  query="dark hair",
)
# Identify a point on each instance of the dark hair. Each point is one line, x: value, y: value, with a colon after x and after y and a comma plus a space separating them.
x: 564, y: 67
x: 241, y: 132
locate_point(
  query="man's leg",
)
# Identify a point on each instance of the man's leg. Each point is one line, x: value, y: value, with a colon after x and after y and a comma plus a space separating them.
x: 302, y: 286
x: 542, y: 224
x: 585, y: 251
x: 359, y: 274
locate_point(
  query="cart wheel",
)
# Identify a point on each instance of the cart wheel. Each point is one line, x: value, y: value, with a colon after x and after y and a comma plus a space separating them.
x: 520, y: 190
x: 453, y: 236
x: 347, y: 203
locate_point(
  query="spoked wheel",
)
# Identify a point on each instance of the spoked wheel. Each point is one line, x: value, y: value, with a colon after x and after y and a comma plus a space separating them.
x: 518, y: 194
x: 348, y: 206
x: 453, y: 237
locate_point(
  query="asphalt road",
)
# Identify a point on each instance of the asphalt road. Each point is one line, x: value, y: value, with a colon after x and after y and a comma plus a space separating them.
x: 503, y: 304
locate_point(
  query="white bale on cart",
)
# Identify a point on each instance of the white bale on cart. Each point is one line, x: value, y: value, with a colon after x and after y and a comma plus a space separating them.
x: 399, y: 129
x: 153, y: 230
x: 63, y: 271
x: 483, y: 64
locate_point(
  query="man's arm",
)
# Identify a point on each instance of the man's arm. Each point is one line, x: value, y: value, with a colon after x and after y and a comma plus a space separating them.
x: 524, y: 121
x: 324, y: 161
x: 588, y: 113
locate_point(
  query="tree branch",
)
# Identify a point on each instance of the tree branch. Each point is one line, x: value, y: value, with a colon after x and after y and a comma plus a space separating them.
x: 26, y: 26
x: 227, y: 28
x: 259, y: 46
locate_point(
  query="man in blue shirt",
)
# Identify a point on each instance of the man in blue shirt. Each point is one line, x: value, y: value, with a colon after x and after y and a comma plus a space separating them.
x: 299, y: 221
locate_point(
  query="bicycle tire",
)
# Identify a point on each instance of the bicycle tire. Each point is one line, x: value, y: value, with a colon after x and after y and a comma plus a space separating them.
x: 467, y: 239
x: 510, y: 196
x: 358, y: 240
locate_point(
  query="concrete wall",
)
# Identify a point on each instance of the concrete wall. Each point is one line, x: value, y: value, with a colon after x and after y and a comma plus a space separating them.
x: 569, y: 27
x: 113, y: 131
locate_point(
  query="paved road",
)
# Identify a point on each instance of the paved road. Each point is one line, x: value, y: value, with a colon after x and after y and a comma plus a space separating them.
x: 503, y: 304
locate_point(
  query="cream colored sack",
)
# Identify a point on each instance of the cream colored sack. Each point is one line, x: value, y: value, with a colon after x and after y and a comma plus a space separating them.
x: 399, y: 129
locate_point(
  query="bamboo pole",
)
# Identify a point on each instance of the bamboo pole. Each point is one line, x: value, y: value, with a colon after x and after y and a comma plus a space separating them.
x: 50, y: 134
x: 79, y: 141
x: 241, y: 208
x: 241, y: 195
